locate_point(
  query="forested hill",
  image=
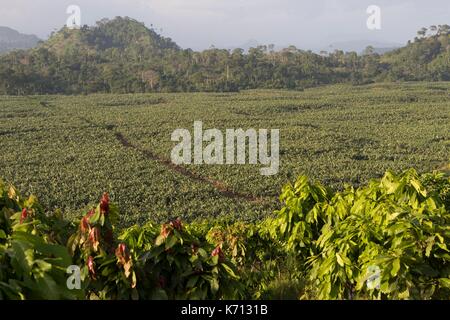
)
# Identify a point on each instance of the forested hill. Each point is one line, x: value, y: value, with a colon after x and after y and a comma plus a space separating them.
x: 11, y: 40
x: 123, y: 56
x: 425, y: 58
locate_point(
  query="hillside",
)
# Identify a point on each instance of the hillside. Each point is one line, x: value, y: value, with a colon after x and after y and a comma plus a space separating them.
x: 119, y: 33
x: 426, y: 58
x: 11, y: 40
x: 123, y: 56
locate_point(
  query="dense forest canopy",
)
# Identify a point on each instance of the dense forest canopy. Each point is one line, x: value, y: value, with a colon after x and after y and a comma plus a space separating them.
x: 123, y: 56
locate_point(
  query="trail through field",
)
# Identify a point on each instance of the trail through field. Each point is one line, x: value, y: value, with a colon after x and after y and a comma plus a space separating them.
x: 218, y: 185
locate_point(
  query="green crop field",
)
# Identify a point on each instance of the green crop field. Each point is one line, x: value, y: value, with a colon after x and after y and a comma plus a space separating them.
x: 68, y: 149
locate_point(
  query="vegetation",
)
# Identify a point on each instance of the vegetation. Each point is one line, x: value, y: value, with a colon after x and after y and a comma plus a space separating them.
x: 123, y: 56
x: 393, y: 224
x: 323, y: 242
x: 66, y: 149
x: 167, y: 231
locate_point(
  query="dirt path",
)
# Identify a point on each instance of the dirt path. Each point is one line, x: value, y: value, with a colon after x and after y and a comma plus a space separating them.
x: 218, y: 185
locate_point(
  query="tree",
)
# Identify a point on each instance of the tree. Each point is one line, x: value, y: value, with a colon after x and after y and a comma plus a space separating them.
x: 151, y: 77
x: 444, y: 29
x: 433, y: 28
x: 369, y: 50
x: 422, y: 32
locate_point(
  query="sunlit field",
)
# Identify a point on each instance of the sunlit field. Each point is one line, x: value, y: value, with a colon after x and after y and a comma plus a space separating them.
x: 69, y: 149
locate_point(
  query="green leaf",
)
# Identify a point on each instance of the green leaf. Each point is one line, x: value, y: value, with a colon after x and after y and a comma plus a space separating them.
x: 214, y: 283
x: 44, y: 266
x: 395, y: 267
x: 192, y: 281
x: 171, y: 241
x: 102, y: 219
x: 418, y: 186
x: 229, y: 270
x: 445, y: 282
x: 429, y: 247
x: 160, y: 240
x: 202, y: 252
x: 339, y: 260
x: 404, y: 294
x: 443, y: 246
x: 94, y: 218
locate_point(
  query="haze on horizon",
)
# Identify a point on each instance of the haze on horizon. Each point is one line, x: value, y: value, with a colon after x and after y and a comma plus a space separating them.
x: 199, y: 24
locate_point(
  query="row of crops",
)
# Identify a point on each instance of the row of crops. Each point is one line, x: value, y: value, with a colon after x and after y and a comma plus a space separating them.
x: 65, y: 148
x: 389, y: 239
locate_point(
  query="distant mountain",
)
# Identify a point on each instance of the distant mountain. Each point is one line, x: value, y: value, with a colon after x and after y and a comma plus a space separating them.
x: 11, y: 39
x: 360, y: 45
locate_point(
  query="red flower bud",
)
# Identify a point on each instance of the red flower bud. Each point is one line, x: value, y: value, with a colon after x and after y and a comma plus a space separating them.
x: 122, y: 253
x: 90, y: 214
x: 104, y: 204
x: 218, y: 252
x: 176, y: 224
x: 84, y: 224
x: 94, y: 236
x: 91, y: 266
x: 124, y: 258
x: 122, y: 248
x: 24, y: 215
x: 166, y: 230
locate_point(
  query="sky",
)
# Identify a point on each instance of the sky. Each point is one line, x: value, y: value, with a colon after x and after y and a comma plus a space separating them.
x: 199, y: 24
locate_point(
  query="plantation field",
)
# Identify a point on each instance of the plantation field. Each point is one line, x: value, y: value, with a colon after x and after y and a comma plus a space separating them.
x: 68, y: 149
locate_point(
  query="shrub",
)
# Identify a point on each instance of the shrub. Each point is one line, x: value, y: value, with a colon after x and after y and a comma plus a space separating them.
x: 32, y: 264
x: 387, y: 240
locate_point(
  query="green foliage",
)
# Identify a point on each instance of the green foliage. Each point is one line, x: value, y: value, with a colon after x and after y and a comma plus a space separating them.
x: 438, y: 183
x: 173, y: 263
x: 123, y: 56
x: 107, y: 267
x: 186, y: 268
x: 141, y: 263
x: 427, y: 58
x: 259, y: 260
x: 394, y: 224
x: 67, y: 149
x: 32, y: 264
x: 387, y: 240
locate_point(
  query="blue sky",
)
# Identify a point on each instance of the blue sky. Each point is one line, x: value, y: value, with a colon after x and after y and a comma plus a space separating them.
x: 198, y: 24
